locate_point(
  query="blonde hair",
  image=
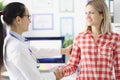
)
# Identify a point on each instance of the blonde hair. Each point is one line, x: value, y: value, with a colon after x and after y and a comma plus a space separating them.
x: 102, y: 8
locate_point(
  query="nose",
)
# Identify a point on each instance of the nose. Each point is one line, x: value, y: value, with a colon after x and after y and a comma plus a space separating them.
x: 29, y: 20
x: 87, y: 15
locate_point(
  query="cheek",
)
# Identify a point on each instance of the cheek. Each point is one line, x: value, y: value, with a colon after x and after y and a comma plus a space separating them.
x: 95, y: 17
x: 25, y: 26
x: 99, y: 19
x: 26, y: 23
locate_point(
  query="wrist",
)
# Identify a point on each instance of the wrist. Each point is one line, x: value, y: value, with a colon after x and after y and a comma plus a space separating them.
x: 63, y: 50
x: 58, y: 74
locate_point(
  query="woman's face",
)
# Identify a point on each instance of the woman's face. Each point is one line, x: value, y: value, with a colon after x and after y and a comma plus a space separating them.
x: 93, y: 17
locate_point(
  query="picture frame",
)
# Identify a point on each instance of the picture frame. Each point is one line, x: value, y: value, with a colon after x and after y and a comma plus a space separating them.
x: 66, y: 8
x: 42, y: 22
x: 67, y: 26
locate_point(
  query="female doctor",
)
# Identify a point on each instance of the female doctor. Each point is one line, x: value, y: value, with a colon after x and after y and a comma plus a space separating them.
x: 18, y: 56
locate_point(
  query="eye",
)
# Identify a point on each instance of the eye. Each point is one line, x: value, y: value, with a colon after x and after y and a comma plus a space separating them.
x: 89, y: 12
x: 28, y: 16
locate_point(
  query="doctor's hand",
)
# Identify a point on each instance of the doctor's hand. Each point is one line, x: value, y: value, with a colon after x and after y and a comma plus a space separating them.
x: 67, y: 50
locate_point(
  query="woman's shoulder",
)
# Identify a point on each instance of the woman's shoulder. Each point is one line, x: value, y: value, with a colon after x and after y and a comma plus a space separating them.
x: 79, y: 35
x: 114, y: 34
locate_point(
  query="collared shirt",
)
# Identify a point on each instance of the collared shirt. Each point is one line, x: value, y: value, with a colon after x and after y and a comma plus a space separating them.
x: 17, y: 36
x: 96, y: 60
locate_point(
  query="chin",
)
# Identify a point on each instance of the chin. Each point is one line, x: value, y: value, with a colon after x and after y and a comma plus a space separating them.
x: 88, y: 24
x: 26, y: 30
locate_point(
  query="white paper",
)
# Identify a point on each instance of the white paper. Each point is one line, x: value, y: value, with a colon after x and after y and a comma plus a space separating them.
x: 67, y: 26
x: 66, y: 5
x: 116, y: 27
x: 42, y: 21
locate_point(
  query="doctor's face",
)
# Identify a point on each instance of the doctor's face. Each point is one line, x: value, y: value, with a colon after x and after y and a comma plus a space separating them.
x: 93, y: 17
x: 25, y: 20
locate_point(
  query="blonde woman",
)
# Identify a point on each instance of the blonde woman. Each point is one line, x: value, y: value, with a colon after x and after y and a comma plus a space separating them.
x: 97, y: 49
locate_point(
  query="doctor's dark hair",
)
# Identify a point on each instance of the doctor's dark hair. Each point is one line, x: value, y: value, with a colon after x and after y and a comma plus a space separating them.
x: 10, y: 12
x: 1, y: 43
x: 13, y: 10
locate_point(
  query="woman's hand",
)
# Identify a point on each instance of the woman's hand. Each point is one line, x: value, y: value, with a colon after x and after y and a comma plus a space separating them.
x: 66, y: 50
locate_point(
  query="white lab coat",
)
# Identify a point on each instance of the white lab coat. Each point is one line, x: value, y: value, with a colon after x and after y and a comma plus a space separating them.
x: 20, y: 63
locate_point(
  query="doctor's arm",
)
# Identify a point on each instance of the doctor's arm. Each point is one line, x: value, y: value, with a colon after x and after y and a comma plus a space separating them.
x: 48, y: 52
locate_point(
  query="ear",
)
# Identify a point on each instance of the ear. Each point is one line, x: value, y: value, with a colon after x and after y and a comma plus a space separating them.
x: 18, y: 20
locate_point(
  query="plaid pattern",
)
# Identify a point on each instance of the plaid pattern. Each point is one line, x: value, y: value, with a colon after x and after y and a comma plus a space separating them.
x: 96, y: 60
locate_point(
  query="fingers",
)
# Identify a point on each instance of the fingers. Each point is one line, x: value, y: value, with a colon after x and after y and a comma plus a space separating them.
x: 57, y: 74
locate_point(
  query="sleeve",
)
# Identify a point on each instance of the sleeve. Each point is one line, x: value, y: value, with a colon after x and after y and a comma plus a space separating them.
x: 117, y: 60
x: 46, y: 52
x: 27, y: 65
x: 73, y: 62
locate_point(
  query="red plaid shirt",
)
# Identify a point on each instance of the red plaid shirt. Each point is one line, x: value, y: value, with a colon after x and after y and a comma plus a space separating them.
x: 96, y: 60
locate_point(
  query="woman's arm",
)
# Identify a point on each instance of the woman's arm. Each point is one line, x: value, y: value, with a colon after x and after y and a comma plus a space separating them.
x: 117, y: 60
x: 72, y: 64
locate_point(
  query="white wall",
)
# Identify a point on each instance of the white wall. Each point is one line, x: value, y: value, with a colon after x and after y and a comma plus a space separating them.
x: 116, y: 11
x: 53, y: 7
x: 116, y: 27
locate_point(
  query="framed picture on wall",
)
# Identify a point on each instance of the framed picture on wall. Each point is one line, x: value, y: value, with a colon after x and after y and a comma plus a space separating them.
x: 67, y: 26
x: 42, y: 22
x: 43, y: 5
x: 66, y: 5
